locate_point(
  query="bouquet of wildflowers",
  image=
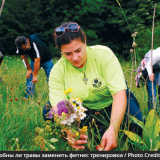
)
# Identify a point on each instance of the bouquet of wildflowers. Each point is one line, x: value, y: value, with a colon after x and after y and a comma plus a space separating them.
x: 69, y: 115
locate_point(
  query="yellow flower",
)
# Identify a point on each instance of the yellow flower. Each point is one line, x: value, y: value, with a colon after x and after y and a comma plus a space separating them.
x: 73, y: 104
x: 79, y: 100
x: 68, y: 90
x: 77, y: 134
x: 63, y: 114
x: 78, y: 108
x: 84, y: 129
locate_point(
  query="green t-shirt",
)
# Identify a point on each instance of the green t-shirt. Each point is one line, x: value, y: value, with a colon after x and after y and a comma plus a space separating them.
x: 104, y: 73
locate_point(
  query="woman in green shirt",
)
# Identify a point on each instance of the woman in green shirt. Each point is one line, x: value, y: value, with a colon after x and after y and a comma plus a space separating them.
x: 95, y: 75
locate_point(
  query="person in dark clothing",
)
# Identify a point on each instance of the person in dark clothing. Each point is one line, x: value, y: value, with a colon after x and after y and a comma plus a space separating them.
x: 2, y: 52
x: 35, y: 47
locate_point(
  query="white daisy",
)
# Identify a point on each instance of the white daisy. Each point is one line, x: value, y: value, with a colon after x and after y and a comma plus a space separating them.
x: 82, y: 115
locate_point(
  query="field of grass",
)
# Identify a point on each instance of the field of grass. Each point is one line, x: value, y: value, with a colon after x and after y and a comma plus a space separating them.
x: 19, y: 118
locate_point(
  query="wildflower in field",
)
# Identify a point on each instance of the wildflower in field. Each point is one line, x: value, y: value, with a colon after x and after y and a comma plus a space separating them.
x: 71, y: 109
x: 73, y: 104
x: 72, y: 99
x: 50, y: 114
x: 11, y: 99
x: 16, y: 99
x: 80, y: 110
x: 78, y: 101
x: 84, y: 129
x: 62, y: 107
x: 82, y: 115
x: 68, y: 118
x: 77, y: 134
x: 68, y: 115
x: 99, y: 147
x: 69, y: 90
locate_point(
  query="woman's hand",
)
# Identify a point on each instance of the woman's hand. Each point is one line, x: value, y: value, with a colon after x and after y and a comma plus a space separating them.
x: 76, y: 144
x: 109, y: 139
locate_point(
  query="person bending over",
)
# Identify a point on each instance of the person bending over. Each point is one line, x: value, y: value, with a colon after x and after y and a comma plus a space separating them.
x: 95, y: 75
x: 40, y: 56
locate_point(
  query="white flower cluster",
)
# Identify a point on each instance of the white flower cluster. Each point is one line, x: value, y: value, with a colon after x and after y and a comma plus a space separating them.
x: 79, y: 112
x: 79, y: 109
x: 69, y: 119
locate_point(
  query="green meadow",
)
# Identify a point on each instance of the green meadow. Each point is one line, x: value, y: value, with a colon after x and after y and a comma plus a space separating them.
x: 19, y: 118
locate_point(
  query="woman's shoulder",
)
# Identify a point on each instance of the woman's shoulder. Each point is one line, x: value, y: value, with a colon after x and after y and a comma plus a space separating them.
x: 101, y: 51
x: 59, y: 65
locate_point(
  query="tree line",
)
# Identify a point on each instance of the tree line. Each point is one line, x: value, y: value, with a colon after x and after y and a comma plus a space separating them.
x: 105, y: 22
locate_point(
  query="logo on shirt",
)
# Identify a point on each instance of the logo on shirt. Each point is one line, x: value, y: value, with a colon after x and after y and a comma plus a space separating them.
x: 96, y: 83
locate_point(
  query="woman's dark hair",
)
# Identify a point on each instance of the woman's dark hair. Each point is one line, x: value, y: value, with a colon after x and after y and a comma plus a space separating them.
x: 67, y: 37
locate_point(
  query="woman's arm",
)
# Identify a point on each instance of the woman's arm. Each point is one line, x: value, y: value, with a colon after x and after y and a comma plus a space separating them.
x: 110, y: 137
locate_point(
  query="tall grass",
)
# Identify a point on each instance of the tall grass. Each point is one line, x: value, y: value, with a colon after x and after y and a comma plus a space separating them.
x: 19, y: 117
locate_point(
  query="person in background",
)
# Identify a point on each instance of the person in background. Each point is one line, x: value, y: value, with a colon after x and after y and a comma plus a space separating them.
x: 149, y: 72
x: 40, y: 55
x: 95, y: 75
x: 153, y: 69
x: 2, y: 52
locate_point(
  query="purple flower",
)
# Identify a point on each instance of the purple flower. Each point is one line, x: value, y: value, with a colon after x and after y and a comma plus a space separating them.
x: 50, y: 114
x: 62, y: 107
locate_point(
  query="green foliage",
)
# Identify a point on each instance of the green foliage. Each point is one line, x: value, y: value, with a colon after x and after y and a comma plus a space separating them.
x: 105, y: 22
x: 151, y: 131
